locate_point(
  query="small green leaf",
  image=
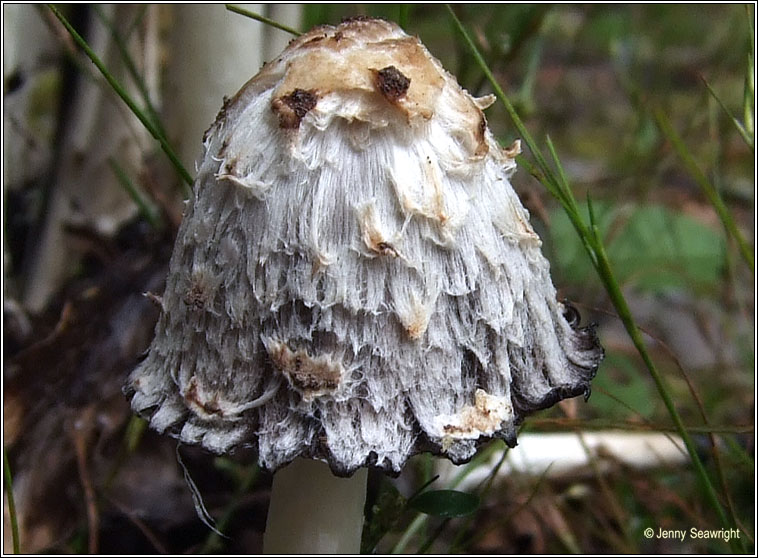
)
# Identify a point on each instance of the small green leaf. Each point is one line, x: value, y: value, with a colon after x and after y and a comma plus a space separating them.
x: 627, y: 388
x: 135, y: 428
x: 650, y: 247
x: 445, y: 503
x: 263, y: 19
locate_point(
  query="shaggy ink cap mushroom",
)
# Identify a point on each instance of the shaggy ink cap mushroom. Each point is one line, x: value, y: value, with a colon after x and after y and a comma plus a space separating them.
x: 356, y: 280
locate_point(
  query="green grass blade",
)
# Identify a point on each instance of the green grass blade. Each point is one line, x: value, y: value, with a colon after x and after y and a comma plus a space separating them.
x: 566, y: 197
x: 146, y: 208
x: 403, y: 15
x: 525, y: 135
x: 121, y: 92
x: 11, y: 503
x: 745, y: 460
x: 619, y: 302
x: 415, y: 526
x: 132, y: 69
x: 749, y: 89
x: 749, y: 95
x: 135, y: 429
x: 262, y: 19
x: 705, y: 185
x: 137, y: 20
x: 749, y: 140
x: 625, y: 314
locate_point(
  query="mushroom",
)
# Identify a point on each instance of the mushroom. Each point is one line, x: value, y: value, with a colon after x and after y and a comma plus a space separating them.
x: 355, y: 280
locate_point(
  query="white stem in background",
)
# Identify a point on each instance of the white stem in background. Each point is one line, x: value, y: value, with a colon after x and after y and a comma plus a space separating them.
x: 562, y: 454
x: 314, y: 512
x: 214, y: 52
x: 84, y: 190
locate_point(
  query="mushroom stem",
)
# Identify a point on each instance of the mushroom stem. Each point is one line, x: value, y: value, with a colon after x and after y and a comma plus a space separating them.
x: 314, y: 512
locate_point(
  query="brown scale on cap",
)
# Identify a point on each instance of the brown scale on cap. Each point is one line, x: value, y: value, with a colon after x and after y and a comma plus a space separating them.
x: 195, y: 400
x: 392, y: 83
x: 481, y: 129
x: 311, y: 376
x: 293, y: 107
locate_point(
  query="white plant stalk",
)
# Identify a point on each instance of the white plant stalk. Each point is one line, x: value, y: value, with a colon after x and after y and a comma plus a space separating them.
x: 314, y: 512
x: 211, y: 51
x: 569, y: 454
x: 85, y: 192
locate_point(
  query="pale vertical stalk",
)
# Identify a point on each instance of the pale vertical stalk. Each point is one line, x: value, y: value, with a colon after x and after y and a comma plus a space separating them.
x: 84, y: 190
x: 213, y: 53
x: 314, y: 512
x: 275, y: 40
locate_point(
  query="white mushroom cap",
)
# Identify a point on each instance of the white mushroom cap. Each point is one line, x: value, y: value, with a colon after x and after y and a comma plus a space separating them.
x: 356, y: 280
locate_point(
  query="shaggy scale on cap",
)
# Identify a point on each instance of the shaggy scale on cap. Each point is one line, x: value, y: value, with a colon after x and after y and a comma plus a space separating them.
x: 355, y: 280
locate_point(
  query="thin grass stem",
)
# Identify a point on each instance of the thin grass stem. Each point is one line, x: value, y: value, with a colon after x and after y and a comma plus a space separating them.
x: 146, y: 208
x: 736, y: 123
x: 11, y: 503
x: 705, y: 185
x: 137, y: 20
x: 415, y: 526
x: 748, y: 98
x: 263, y: 19
x: 132, y: 69
x: 625, y: 314
x: 563, y: 424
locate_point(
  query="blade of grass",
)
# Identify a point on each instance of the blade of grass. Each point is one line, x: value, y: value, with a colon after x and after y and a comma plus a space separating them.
x: 749, y: 94
x: 121, y: 92
x: 146, y: 208
x: 746, y: 461
x: 524, y: 133
x: 715, y: 451
x: 132, y: 69
x: 11, y: 503
x: 262, y: 19
x: 705, y: 185
x: 736, y: 123
x: 403, y: 15
x: 749, y: 89
x: 567, y: 425
x: 137, y: 20
x: 558, y: 186
x: 414, y: 527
